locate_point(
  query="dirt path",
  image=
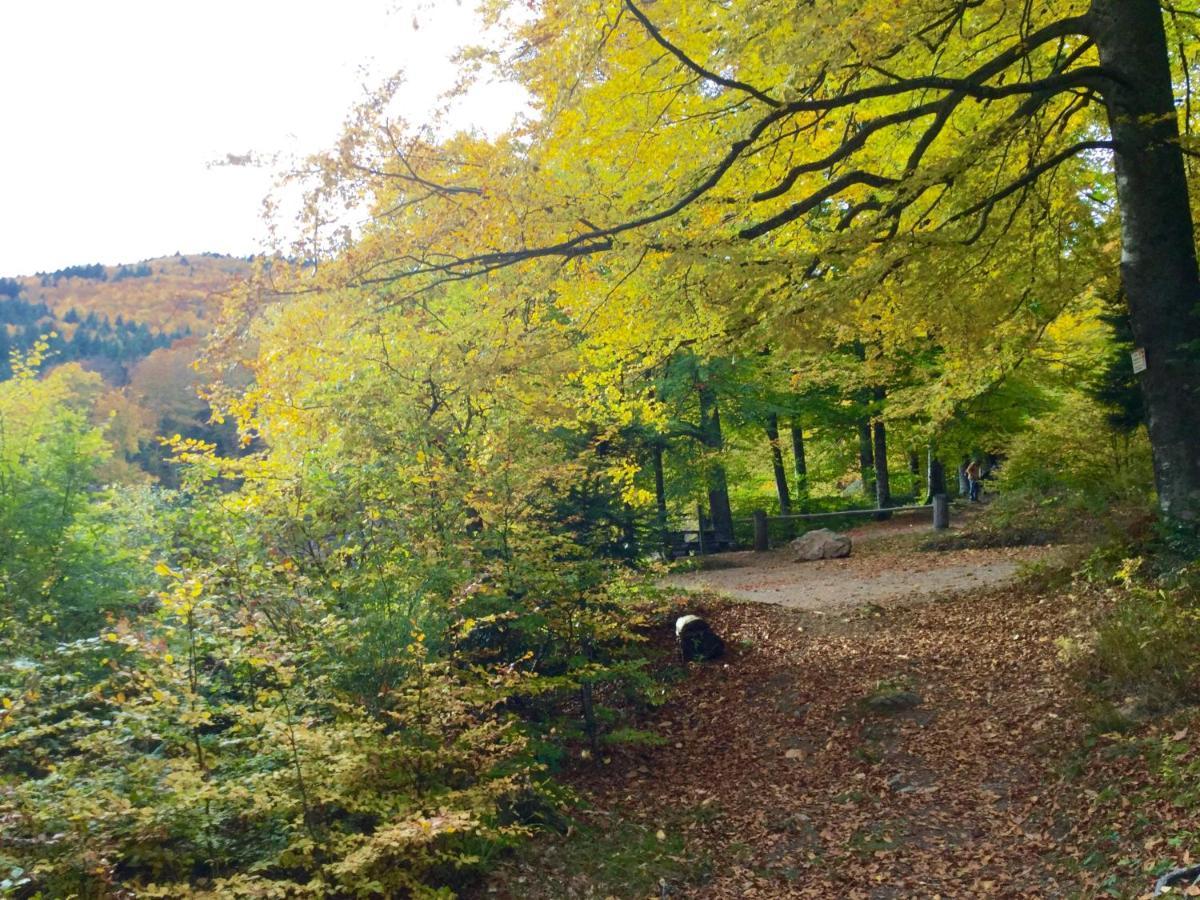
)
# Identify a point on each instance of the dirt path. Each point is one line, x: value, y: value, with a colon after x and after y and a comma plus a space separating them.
x: 895, y: 751
x: 885, y: 566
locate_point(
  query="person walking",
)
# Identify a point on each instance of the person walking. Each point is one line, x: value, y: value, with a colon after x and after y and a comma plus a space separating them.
x: 974, y: 474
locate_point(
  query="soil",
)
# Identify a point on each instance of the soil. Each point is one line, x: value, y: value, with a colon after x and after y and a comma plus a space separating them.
x: 884, y: 566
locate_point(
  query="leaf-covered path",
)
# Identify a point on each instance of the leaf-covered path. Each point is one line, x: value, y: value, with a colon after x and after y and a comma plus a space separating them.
x: 797, y: 767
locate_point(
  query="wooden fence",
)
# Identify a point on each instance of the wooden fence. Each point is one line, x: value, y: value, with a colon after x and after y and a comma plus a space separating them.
x: 940, y: 508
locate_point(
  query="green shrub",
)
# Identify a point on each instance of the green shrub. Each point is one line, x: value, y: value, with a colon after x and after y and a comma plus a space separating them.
x: 1073, y: 456
x: 1148, y: 644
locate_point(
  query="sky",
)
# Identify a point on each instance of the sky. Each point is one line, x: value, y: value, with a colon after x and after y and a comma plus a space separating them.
x: 112, y: 112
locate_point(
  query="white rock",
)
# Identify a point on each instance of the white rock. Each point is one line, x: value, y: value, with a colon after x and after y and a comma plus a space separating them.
x: 821, y: 544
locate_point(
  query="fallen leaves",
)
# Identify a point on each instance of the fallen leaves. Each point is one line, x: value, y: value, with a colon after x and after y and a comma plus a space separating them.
x: 791, y: 786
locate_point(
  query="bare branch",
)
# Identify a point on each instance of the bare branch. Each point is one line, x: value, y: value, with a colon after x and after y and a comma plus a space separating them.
x: 812, y: 201
x: 1031, y: 175
x: 690, y: 63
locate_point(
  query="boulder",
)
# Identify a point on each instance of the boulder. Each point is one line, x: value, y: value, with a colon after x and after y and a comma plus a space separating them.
x: 821, y: 544
x: 697, y: 641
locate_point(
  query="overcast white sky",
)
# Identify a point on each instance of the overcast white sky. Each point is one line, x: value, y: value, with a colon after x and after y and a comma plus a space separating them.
x: 110, y: 112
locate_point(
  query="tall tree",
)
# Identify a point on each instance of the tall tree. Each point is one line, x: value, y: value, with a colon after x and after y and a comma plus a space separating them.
x: 1158, y: 250
x: 800, y: 461
x: 781, y: 483
x: 941, y: 164
x: 883, y: 488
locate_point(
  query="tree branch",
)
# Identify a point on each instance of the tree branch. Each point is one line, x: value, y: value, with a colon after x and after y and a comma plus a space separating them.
x: 812, y: 201
x: 690, y: 63
x: 1031, y: 175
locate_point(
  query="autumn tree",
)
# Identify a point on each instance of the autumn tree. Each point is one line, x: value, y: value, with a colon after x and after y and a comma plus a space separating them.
x: 820, y: 159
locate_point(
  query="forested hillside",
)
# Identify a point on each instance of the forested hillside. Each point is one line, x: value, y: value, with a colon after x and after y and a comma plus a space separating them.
x: 139, y: 327
x: 167, y: 294
x: 374, y: 600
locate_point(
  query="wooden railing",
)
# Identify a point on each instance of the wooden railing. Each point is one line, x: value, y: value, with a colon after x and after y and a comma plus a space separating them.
x: 940, y: 508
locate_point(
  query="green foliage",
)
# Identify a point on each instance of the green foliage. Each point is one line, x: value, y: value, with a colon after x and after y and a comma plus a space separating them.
x: 1147, y: 646
x: 202, y: 750
x: 62, y: 566
x: 1074, y: 455
x: 1116, y: 386
x: 354, y: 656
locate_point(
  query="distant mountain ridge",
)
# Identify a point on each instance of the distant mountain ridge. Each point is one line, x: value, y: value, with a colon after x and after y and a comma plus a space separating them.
x: 110, y: 318
x: 180, y: 293
x: 140, y: 326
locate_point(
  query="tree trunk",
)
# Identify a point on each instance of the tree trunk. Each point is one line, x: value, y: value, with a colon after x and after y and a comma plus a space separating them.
x: 883, y: 489
x: 866, y: 458
x: 1158, y: 255
x: 801, y: 464
x: 936, y: 476
x: 718, y: 486
x: 660, y: 494
x: 781, y: 485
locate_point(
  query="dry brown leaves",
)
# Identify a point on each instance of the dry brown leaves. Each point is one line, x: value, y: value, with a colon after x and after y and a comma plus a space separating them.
x: 777, y: 774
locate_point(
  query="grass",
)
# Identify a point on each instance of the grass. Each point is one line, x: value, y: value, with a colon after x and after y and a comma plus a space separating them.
x: 1147, y: 645
x: 618, y: 858
x: 891, y: 695
x: 1145, y: 788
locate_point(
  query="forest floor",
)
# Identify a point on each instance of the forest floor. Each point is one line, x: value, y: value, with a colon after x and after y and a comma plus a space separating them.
x: 882, y: 743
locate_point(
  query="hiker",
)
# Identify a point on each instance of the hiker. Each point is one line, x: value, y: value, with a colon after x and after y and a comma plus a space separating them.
x: 974, y: 473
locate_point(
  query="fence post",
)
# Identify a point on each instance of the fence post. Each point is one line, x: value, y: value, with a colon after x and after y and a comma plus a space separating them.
x: 941, y: 512
x: 762, y: 539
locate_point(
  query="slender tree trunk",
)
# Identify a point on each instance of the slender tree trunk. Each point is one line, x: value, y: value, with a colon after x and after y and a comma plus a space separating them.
x: 866, y: 457
x: 781, y: 485
x: 1158, y: 255
x: 718, y: 487
x: 914, y: 463
x: 660, y: 493
x: 935, y: 475
x: 801, y: 464
x: 883, y: 490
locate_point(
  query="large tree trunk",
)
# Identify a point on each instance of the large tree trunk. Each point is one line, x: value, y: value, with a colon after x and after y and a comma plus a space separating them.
x: 883, y: 489
x: 781, y: 485
x: 1158, y: 255
x: 801, y: 464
